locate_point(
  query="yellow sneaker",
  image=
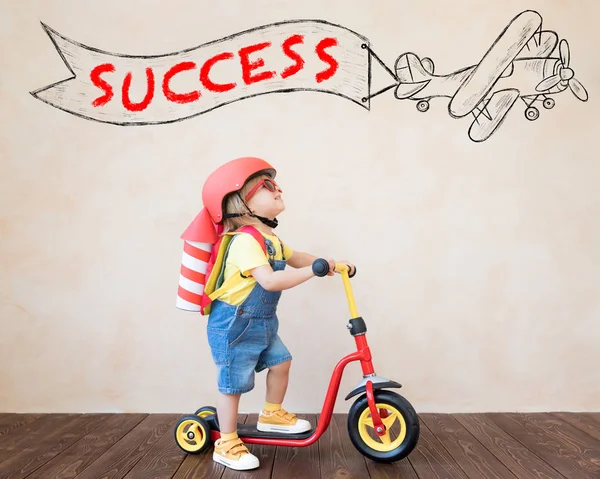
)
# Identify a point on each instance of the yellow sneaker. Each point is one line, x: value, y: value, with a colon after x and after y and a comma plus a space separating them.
x: 281, y: 421
x: 235, y: 455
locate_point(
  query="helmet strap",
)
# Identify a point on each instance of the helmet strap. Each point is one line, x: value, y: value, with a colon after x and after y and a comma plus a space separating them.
x: 233, y: 215
x: 270, y: 223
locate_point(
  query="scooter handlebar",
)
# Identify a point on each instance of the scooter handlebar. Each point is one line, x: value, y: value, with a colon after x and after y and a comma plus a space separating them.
x: 320, y: 267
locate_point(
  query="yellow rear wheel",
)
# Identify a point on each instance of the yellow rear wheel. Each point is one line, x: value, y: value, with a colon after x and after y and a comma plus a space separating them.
x: 206, y: 411
x: 401, y: 427
x: 209, y: 414
x: 192, y: 434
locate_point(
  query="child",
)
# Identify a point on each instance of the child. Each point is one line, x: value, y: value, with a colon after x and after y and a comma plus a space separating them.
x: 242, y: 326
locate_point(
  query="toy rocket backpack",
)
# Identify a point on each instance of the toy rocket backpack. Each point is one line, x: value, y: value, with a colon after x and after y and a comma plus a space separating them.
x: 201, y: 278
x: 202, y: 264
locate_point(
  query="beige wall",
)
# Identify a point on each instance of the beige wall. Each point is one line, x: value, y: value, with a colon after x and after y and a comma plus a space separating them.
x: 479, y: 264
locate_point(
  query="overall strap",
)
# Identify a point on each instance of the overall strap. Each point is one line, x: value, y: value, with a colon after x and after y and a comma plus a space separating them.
x: 273, y: 251
x: 282, y: 250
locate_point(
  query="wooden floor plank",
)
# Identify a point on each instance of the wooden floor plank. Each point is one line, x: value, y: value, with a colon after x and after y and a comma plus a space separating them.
x: 32, y: 433
x: 80, y: 455
x: 298, y: 462
x: 516, y: 457
x: 161, y: 461
x: 397, y: 470
x: 11, y: 422
x: 459, y: 446
x: 265, y: 454
x: 38, y: 453
x: 585, y: 422
x: 118, y: 460
x: 338, y: 456
x: 564, y: 447
x: 474, y: 459
x: 202, y: 465
x: 430, y: 459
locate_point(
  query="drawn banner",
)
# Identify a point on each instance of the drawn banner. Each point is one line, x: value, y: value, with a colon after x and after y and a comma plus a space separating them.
x: 523, y: 62
x: 288, y: 56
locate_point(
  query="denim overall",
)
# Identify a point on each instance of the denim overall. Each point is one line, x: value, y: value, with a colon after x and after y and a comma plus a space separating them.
x: 243, y: 339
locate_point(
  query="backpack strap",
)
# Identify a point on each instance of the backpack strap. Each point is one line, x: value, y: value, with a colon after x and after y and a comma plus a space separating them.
x: 256, y: 234
x: 235, y: 279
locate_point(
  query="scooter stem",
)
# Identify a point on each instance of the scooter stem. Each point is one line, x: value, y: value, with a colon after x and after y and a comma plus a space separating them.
x: 343, y: 269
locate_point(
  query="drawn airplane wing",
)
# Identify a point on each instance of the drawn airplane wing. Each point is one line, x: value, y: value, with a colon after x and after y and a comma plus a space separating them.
x: 491, y: 114
x: 540, y: 45
x: 494, y: 63
x: 406, y: 90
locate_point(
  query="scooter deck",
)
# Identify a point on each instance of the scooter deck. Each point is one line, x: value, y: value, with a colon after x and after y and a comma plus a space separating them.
x: 249, y: 430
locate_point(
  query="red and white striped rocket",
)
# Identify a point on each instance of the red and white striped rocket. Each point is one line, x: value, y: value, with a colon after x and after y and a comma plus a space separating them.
x: 199, y: 238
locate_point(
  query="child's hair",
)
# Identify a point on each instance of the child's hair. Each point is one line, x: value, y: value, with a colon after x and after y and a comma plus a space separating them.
x: 232, y: 203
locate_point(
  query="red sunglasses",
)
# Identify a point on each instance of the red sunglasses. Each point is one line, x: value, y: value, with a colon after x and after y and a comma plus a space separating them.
x: 267, y: 183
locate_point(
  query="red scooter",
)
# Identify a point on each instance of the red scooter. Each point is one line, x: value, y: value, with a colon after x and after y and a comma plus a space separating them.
x: 382, y: 424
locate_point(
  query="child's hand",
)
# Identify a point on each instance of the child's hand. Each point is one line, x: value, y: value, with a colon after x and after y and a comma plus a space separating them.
x: 331, y: 267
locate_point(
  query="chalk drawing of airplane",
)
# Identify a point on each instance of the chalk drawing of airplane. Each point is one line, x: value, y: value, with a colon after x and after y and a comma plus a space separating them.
x: 517, y: 65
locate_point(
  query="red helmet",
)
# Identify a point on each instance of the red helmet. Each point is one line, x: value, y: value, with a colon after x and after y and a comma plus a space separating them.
x: 228, y: 178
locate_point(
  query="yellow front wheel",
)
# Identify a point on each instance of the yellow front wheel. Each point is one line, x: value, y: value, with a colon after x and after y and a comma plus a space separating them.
x: 400, y: 420
x: 192, y: 434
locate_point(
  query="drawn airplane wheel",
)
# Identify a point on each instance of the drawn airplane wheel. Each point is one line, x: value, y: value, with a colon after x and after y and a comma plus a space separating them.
x: 532, y: 113
x: 423, y: 106
x: 549, y: 103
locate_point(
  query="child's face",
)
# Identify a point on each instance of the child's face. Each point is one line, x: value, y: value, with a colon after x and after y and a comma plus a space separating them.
x: 265, y: 202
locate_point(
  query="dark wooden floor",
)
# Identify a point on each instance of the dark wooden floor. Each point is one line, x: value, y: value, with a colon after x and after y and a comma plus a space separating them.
x: 111, y: 446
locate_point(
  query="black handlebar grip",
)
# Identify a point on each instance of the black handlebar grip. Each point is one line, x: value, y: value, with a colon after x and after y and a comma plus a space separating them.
x: 353, y: 273
x: 320, y: 267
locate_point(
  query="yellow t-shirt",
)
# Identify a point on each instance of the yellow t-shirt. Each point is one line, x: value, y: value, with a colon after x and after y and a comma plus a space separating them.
x: 245, y: 254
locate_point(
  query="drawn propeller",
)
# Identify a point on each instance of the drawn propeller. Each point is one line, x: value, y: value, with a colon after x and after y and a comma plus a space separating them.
x: 565, y: 75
